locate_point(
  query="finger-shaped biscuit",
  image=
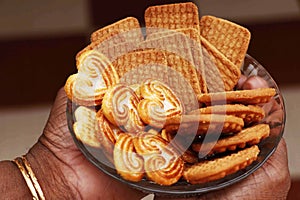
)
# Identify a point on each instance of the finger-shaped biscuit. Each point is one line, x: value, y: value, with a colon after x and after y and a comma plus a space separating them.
x: 249, y: 136
x: 204, y: 123
x: 161, y: 162
x: 255, y: 96
x: 159, y: 102
x: 119, y: 106
x: 128, y: 163
x: 250, y: 113
x: 220, y: 167
x: 86, y: 128
x: 95, y: 75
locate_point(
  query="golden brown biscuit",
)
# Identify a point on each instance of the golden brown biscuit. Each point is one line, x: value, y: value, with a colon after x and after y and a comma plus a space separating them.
x: 250, y: 113
x: 255, y: 96
x: 108, y: 134
x: 127, y: 29
x: 95, y: 75
x: 196, y: 49
x: 119, y: 106
x: 171, y: 16
x: 158, y: 103
x: 161, y: 162
x: 204, y: 123
x: 220, y: 167
x: 86, y: 128
x: 249, y: 136
x: 221, y: 74
x: 229, y: 38
x: 128, y: 163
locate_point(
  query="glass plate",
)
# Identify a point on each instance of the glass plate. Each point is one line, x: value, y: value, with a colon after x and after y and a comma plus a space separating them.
x: 275, y: 118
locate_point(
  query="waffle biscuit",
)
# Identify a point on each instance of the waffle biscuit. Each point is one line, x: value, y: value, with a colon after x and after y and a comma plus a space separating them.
x: 218, y: 168
x: 221, y: 74
x: 86, y: 128
x: 162, y: 164
x: 249, y: 136
x: 204, y: 123
x: 195, y: 45
x: 158, y: 103
x: 229, y: 38
x: 119, y: 106
x: 172, y: 16
x: 254, y: 96
x: 128, y: 28
x: 250, y: 113
x: 108, y: 134
x: 127, y: 162
x: 137, y: 66
x: 95, y: 75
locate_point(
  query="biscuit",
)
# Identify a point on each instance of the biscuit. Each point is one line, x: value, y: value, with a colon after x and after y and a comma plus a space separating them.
x: 108, y: 134
x: 254, y: 96
x: 204, y: 123
x: 137, y: 66
x: 127, y: 29
x: 127, y: 162
x: 95, y: 75
x: 250, y: 113
x: 158, y: 103
x: 119, y: 106
x: 86, y: 128
x: 221, y: 74
x: 195, y: 46
x: 171, y: 16
x: 229, y: 38
x: 248, y: 136
x: 162, y: 164
x: 218, y: 168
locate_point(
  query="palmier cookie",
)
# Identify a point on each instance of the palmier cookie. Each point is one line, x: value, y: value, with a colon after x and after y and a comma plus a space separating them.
x: 159, y: 102
x: 250, y: 113
x: 254, y: 96
x: 249, y: 136
x: 86, y: 128
x: 204, y: 123
x: 220, y: 167
x: 108, y: 134
x: 120, y: 108
x: 95, y: 75
x: 162, y: 163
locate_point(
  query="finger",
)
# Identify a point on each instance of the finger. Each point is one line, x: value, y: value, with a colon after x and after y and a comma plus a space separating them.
x: 254, y: 82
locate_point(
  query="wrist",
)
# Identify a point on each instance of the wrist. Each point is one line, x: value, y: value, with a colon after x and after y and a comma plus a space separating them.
x: 49, y: 172
x: 12, y: 184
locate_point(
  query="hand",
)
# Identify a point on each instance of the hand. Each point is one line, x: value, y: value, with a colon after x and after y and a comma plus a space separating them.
x: 56, y: 155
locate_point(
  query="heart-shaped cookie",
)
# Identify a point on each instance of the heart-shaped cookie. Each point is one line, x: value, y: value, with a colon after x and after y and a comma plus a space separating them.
x: 119, y: 106
x: 159, y: 103
x: 95, y: 75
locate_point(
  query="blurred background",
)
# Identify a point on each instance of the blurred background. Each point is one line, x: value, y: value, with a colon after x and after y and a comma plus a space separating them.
x: 39, y: 41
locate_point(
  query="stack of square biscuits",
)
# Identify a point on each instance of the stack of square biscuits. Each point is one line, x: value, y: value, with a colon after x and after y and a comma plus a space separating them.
x: 163, y: 105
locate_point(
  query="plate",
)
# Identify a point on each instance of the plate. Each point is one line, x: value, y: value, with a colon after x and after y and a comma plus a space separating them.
x: 275, y: 118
